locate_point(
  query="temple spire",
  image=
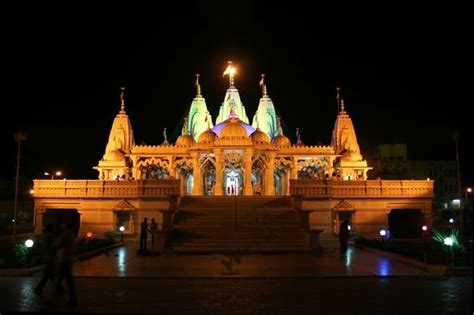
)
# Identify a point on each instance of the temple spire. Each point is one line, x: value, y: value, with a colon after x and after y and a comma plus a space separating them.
x: 230, y: 70
x: 165, y: 137
x: 198, y: 86
x: 263, y: 85
x: 342, y: 106
x: 338, y: 89
x: 122, y: 100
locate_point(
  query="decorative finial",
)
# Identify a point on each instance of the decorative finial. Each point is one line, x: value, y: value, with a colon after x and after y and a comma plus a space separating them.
x: 263, y: 85
x: 122, y: 100
x: 198, y: 86
x: 298, y: 137
x: 185, y: 125
x: 165, y: 141
x: 280, y: 129
x: 230, y: 70
x: 338, y: 89
x: 342, y: 106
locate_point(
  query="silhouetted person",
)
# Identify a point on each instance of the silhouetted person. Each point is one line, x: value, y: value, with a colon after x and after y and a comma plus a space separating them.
x: 343, y: 234
x: 65, y: 245
x: 154, y: 234
x: 49, y: 255
x: 143, y: 234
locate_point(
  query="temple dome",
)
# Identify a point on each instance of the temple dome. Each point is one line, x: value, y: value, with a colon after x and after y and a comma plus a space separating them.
x: 260, y: 137
x: 184, y: 141
x: 233, y: 128
x: 207, y: 136
x: 352, y: 156
x: 115, y: 155
x: 281, y: 141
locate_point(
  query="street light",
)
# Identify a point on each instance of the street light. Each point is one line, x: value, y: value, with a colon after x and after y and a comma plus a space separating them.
x: 121, y: 228
x: 28, y: 243
x: 451, y: 220
x: 57, y: 173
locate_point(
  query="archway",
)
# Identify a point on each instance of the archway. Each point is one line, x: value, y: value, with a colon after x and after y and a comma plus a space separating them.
x: 208, y: 171
x: 258, y: 176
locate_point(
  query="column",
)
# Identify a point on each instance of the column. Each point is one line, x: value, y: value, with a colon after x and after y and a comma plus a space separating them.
x: 218, y: 191
x: 197, y: 177
x: 248, y: 189
x: 270, y: 186
x: 294, y: 168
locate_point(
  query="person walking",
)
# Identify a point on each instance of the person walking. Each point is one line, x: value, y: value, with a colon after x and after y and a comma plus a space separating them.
x: 65, y: 245
x: 143, y: 235
x: 154, y: 236
x: 48, y: 257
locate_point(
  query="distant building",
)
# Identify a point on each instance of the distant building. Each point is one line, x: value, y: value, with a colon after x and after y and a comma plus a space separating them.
x: 391, y: 162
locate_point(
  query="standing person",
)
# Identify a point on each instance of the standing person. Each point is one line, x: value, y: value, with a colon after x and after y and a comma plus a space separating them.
x: 49, y: 255
x: 65, y: 245
x: 154, y: 235
x: 143, y: 234
x: 343, y: 234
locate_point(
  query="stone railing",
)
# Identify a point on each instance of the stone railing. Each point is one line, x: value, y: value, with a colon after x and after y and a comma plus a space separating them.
x: 368, y: 188
x: 105, y: 188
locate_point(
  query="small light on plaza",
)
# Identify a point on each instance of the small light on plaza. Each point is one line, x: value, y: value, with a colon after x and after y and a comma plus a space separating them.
x: 428, y: 179
x: 451, y: 220
x: 28, y: 243
x: 32, y: 191
x: 349, y: 228
x: 121, y: 228
x: 448, y: 241
x: 424, y: 228
x: 89, y: 234
x: 383, y: 233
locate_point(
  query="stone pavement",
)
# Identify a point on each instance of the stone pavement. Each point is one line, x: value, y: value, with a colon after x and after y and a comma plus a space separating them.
x: 123, y: 262
x: 355, y: 282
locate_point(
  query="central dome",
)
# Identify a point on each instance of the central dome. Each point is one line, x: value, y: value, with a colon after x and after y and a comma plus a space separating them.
x: 233, y: 128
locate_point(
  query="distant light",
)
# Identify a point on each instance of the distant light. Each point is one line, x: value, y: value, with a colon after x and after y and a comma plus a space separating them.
x: 469, y: 189
x: 32, y: 191
x: 424, y: 228
x: 46, y: 173
x: 13, y: 220
x: 58, y: 173
x: 122, y: 228
x: 349, y: 228
x: 383, y: 232
x: 451, y: 220
x: 89, y: 234
x: 448, y: 241
x: 29, y: 243
x: 428, y: 179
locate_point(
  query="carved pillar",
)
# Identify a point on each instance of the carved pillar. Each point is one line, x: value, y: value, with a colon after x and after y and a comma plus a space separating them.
x: 197, y: 177
x: 270, y: 186
x: 248, y: 189
x: 218, y: 190
x: 294, y: 168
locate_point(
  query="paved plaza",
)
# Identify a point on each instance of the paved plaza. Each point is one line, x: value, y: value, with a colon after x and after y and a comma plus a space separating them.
x: 355, y: 282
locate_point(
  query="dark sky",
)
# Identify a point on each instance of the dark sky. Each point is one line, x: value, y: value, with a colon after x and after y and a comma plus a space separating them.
x: 402, y: 71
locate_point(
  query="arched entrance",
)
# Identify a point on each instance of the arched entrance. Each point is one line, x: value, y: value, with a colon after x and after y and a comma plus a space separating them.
x: 258, y: 176
x: 208, y: 171
x: 233, y: 181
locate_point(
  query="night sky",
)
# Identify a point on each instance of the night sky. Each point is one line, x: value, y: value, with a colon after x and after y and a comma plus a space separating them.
x: 401, y: 69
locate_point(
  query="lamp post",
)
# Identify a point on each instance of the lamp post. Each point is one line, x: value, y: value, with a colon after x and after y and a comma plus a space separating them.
x: 57, y: 173
x: 28, y: 243
x: 383, y: 233
x: 19, y: 137
x: 89, y: 237
x: 461, y: 210
x: 121, y: 228
x: 424, y: 228
x: 448, y: 241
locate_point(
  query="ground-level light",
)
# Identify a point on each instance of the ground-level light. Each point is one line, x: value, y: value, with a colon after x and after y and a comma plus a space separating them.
x: 451, y: 220
x: 448, y: 241
x: 424, y: 228
x: 383, y: 233
x: 29, y: 243
x: 349, y: 228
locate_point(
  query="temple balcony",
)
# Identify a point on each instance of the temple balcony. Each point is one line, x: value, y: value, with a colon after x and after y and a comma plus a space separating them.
x: 368, y: 188
x: 105, y: 188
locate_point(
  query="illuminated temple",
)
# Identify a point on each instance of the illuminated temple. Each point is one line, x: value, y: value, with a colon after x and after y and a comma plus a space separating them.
x: 233, y: 155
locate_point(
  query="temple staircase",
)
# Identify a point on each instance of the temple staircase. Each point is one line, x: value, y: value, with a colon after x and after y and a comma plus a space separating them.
x: 256, y: 224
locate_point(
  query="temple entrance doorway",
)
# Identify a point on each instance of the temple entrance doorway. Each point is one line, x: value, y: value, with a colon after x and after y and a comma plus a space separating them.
x: 233, y: 182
